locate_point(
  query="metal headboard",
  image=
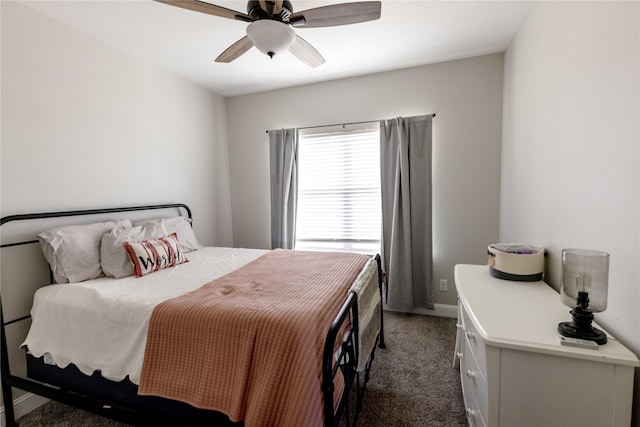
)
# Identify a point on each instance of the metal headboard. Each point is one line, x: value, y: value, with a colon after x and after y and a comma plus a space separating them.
x: 9, y: 380
x: 84, y: 212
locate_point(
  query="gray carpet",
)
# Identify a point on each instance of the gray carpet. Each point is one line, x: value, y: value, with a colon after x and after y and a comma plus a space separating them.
x: 412, y: 382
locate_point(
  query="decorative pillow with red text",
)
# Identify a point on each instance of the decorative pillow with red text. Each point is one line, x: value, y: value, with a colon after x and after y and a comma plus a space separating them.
x: 148, y: 256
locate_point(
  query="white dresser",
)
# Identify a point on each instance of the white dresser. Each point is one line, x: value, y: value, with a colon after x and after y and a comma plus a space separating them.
x: 514, y: 372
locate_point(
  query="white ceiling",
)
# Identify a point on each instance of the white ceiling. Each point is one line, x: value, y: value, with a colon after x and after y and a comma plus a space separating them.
x: 185, y: 42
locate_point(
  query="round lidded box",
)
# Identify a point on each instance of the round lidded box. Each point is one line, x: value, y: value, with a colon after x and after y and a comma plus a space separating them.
x: 516, y: 261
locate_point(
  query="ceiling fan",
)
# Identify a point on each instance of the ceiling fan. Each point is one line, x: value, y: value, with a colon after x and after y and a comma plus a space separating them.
x: 270, y: 25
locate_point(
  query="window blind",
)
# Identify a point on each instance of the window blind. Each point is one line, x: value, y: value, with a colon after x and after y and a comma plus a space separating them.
x: 339, y: 206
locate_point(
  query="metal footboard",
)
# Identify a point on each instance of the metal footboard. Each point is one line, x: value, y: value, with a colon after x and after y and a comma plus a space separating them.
x: 347, y: 360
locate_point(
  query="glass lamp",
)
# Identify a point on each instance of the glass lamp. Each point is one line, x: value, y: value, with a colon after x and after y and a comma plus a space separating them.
x: 585, y: 279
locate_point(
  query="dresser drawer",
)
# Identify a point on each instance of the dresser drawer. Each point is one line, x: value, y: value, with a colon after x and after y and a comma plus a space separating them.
x: 476, y: 344
x: 474, y: 381
x: 472, y: 409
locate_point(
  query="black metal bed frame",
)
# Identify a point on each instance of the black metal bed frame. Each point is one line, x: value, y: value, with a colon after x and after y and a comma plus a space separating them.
x: 347, y: 361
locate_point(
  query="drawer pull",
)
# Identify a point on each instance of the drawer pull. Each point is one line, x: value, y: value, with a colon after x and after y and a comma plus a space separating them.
x: 471, y: 374
x: 471, y: 335
x: 459, y: 325
x: 471, y: 413
x: 459, y: 355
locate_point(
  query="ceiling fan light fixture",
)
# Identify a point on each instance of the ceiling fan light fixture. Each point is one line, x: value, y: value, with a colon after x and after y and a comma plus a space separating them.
x: 271, y: 37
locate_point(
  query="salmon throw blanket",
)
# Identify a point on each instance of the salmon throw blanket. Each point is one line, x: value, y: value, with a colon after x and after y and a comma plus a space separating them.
x: 249, y: 344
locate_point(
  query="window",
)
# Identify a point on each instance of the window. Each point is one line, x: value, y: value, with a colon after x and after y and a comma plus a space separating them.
x: 339, y: 206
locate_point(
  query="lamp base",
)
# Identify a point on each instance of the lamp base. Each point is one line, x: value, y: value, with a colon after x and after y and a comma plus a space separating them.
x: 580, y: 327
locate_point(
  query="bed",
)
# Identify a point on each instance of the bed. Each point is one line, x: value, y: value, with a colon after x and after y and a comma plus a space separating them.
x: 167, y: 332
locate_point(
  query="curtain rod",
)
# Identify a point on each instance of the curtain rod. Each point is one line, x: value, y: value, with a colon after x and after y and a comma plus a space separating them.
x: 343, y: 124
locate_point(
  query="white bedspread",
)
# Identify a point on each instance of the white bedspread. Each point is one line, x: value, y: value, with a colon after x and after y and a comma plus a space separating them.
x: 102, y: 323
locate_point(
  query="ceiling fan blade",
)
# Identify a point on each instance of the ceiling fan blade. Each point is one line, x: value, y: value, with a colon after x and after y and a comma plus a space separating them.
x: 277, y: 8
x: 208, y: 8
x: 337, y: 14
x: 235, y: 50
x: 306, y: 53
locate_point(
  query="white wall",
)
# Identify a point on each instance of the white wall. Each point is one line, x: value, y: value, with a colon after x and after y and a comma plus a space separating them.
x: 571, y: 137
x: 466, y: 95
x: 86, y: 125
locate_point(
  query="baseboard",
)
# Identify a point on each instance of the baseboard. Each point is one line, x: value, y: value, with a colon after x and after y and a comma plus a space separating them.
x: 23, y: 405
x: 440, y: 310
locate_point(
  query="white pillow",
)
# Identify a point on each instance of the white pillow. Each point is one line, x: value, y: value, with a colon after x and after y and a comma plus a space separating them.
x: 114, y: 257
x: 148, y: 256
x: 73, y: 251
x: 182, y: 227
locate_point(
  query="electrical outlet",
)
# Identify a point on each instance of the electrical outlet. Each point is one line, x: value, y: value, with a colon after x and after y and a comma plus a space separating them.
x: 443, y: 285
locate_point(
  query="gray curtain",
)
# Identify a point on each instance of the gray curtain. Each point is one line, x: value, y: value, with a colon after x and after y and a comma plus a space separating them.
x: 405, y: 164
x: 283, y: 155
